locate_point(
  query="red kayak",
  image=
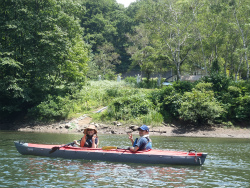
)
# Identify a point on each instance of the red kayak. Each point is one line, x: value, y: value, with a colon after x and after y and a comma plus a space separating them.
x: 153, y: 156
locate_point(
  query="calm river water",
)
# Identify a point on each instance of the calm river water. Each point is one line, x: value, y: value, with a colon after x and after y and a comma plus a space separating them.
x: 227, y: 164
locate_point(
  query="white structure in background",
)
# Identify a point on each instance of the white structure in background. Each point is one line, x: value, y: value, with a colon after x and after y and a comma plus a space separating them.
x: 118, y: 78
x: 99, y: 77
x: 166, y: 83
x: 191, y: 78
x: 159, y: 80
x: 138, y: 79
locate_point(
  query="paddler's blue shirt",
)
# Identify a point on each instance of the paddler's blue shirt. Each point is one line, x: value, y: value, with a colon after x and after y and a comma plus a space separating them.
x: 144, y: 143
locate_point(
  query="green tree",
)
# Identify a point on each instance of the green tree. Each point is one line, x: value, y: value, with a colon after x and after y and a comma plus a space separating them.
x: 172, y: 23
x: 107, y: 21
x: 41, y: 53
x: 241, y: 14
x: 106, y: 59
x: 140, y: 49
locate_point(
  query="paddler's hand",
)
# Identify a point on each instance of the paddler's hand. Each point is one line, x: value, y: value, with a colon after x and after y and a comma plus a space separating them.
x: 75, y: 142
x: 93, y: 137
x: 130, y: 137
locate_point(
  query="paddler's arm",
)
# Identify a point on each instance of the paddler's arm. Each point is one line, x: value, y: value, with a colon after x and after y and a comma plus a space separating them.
x: 133, y: 149
x: 76, y: 143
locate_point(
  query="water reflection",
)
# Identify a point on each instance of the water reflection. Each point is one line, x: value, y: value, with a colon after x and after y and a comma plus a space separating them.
x: 93, y: 173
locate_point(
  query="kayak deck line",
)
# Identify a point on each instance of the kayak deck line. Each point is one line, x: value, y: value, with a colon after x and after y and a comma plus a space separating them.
x: 153, y: 156
x: 152, y: 151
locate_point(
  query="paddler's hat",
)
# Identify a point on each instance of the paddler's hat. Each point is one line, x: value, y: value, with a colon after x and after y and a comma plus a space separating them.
x: 90, y: 127
x: 144, y: 128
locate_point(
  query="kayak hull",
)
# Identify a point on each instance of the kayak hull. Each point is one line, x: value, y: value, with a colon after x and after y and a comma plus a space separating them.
x: 113, y: 155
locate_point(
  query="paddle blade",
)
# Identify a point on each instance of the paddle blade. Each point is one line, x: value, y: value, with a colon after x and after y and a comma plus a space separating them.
x: 109, y: 147
x: 54, y: 149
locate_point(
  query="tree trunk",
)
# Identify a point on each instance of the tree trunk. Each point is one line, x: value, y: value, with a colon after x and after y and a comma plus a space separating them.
x: 238, y: 70
x: 178, y: 71
x: 159, y: 80
x: 225, y: 65
x: 247, y: 65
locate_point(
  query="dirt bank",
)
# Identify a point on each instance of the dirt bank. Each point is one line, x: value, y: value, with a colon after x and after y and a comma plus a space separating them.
x: 79, y: 124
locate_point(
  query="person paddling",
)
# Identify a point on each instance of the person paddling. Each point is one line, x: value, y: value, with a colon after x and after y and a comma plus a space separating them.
x: 90, y: 138
x: 144, y: 142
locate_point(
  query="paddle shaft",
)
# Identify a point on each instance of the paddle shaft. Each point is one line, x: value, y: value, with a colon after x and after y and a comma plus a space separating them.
x: 68, y: 144
x: 111, y: 147
x: 58, y: 147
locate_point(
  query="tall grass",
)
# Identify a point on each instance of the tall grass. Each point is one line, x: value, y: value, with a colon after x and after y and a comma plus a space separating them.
x: 93, y: 95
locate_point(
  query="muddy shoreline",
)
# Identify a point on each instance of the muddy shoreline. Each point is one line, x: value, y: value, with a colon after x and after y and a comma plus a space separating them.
x: 77, y: 125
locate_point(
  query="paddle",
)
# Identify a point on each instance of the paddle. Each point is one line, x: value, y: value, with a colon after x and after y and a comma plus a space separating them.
x: 111, y: 147
x: 58, y: 147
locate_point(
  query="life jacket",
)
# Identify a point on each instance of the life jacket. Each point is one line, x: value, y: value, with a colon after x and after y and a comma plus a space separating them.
x: 148, y: 142
x: 88, y: 142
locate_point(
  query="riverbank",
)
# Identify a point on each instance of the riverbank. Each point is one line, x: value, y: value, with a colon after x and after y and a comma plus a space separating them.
x: 77, y: 125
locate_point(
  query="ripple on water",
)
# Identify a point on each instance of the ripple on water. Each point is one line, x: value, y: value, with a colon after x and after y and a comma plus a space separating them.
x: 227, y: 165
x: 45, y: 172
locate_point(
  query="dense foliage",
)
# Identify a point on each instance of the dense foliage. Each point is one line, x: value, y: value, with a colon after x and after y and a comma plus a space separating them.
x: 42, y: 53
x: 199, y: 105
x: 50, y: 49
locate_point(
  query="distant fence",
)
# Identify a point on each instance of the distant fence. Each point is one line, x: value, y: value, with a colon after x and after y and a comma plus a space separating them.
x: 135, y: 73
x: 165, y: 75
x: 191, y: 78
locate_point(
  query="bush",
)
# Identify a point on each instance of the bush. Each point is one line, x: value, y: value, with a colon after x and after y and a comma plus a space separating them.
x: 220, y: 82
x: 115, y: 92
x: 110, y: 76
x: 149, y: 84
x: 170, y: 104
x: 234, y: 92
x: 157, y: 96
x: 55, y: 108
x: 229, y: 100
x: 124, y: 108
x: 243, y: 85
x: 199, y: 107
x: 242, y: 110
x: 131, y: 80
x: 182, y: 86
x: 153, y: 118
x: 204, y: 86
